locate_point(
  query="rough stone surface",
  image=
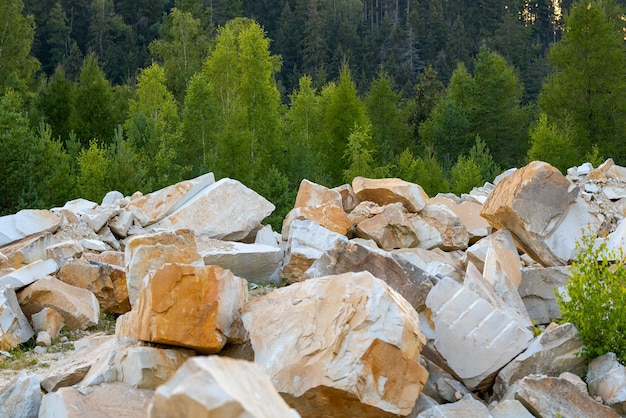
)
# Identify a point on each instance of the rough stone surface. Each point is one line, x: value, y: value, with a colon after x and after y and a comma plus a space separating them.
x: 157, y: 205
x: 348, y: 197
x: 130, y: 361
x: 312, y: 194
x: 436, y: 262
x: 225, y: 210
x: 257, y: 263
x: 606, y: 378
x: 475, y: 338
x: 25, y: 223
x: 327, y: 342
x: 218, y: 387
x: 391, y: 190
x: 106, y: 400
x: 197, y: 307
x: 452, y: 230
x: 21, y: 398
x: 149, y: 252
x: 306, y: 243
x: 552, y: 396
x: 390, y: 229
x: 115, y: 258
x: 329, y: 216
x: 531, y: 203
x: 538, y: 289
x: 64, y: 251
x: 555, y: 351
x: 466, y: 408
x: 510, y: 409
x: 107, y: 282
x: 469, y: 213
x: 78, y: 307
x: 47, y: 320
x: 404, y: 277
x: 28, y: 274
x: 73, y: 369
x: 14, y: 327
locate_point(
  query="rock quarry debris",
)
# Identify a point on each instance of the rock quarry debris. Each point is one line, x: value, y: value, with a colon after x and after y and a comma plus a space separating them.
x: 381, y: 301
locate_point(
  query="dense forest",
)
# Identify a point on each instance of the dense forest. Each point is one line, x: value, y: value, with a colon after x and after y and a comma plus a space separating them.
x: 99, y: 95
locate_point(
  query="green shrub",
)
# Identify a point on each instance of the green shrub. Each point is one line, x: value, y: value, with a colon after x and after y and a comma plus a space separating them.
x: 596, y: 298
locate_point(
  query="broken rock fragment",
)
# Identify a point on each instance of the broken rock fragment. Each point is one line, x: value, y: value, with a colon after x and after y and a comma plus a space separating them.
x: 474, y: 337
x: 344, y: 345
x: 78, y: 307
x: 218, y: 387
x: 390, y: 190
x: 144, y: 253
x: 14, y: 327
x: 196, y: 307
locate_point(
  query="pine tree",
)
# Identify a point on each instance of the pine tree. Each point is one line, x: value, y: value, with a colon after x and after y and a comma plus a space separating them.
x: 17, y: 66
x: 588, y: 85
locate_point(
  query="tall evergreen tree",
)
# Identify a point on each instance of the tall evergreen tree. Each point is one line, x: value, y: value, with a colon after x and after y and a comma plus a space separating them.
x: 588, y: 85
x: 17, y: 66
x: 342, y: 111
x: 182, y: 48
x: 93, y: 115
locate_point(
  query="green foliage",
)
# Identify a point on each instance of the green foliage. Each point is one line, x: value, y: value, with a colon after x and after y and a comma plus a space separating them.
x: 390, y: 127
x: 480, y: 154
x: 182, y: 48
x: 275, y: 187
x: 93, y: 164
x: 594, y: 156
x: 342, y: 110
x: 359, y: 155
x: 588, y: 85
x: 17, y: 66
x: 552, y: 145
x: 247, y: 133
x: 35, y: 169
x: 596, y: 298
x: 425, y: 171
x: 465, y: 175
x: 93, y: 114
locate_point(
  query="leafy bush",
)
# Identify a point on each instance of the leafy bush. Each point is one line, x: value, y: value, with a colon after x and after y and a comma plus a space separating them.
x: 596, y: 298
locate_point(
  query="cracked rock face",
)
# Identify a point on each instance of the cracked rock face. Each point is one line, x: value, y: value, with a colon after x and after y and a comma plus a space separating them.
x: 327, y: 343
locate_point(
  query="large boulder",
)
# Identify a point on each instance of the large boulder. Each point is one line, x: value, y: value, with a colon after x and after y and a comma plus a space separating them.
x: 257, y: 263
x: 14, y: 326
x: 47, y: 320
x: 606, y: 378
x: 469, y: 213
x: 106, y: 281
x: 78, y: 307
x: 105, y: 400
x: 312, y: 194
x: 390, y: 190
x: 475, y: 338
x: 25, y: 223
x: 225, y: 210
x: 330, y: 216
x: 306, y: 243
x: 410, y: 281
x: 144, y: 253
x: 72, y: 369
x: 444, y: 226
x: 542, y: 210
x: 155, y: 206
x: 21, y: 397
x: 132, y: 362
x: 196, y: 307
x: 555, y: 351
x: 390, y: 229
x: 547, y: 396
x: 466, y: 408
x: 28, y: 274
x: 344, y: 345
x: 218, y: 387
x: 538, y: 289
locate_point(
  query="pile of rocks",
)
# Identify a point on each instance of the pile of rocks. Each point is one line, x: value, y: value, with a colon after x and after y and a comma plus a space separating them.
x: 387, y: 302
